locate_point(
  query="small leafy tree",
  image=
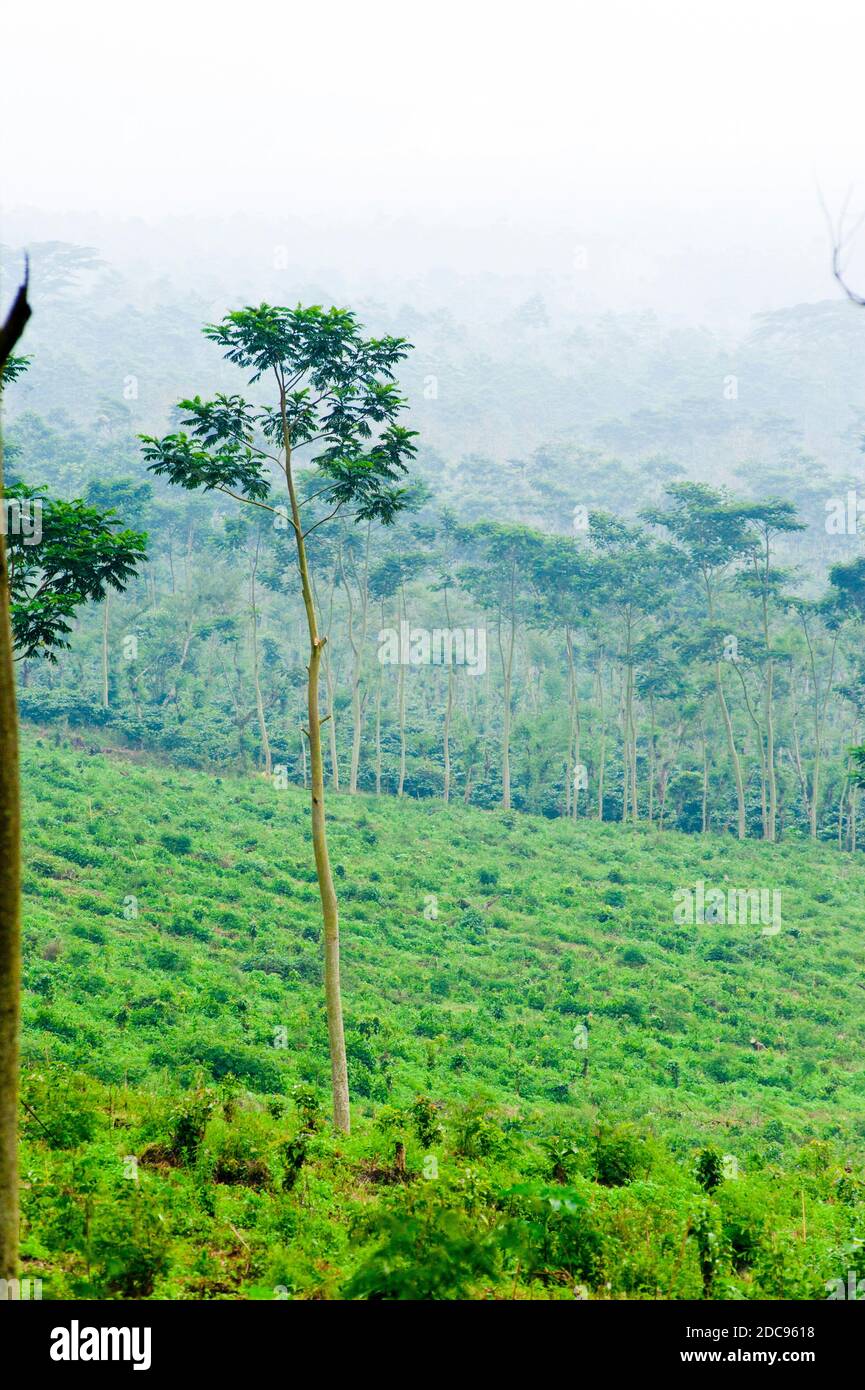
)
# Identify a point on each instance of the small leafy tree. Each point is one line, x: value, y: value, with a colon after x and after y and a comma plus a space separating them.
x: 335, y: 404
x: 75, y: 556
x: 709, y: 1169
x: 68, y: 554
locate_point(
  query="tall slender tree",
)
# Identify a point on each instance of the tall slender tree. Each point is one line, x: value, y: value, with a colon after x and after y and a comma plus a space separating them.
x: 765, y: 521
x: 336, y: 405
x: 498, y: 580
x: 710, y: 538
x: 10, y: 850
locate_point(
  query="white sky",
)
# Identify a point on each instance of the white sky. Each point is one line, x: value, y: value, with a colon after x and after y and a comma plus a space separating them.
x: 668, y: 124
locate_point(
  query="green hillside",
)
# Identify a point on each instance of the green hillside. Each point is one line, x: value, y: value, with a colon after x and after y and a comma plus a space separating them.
x: 591, y: 1094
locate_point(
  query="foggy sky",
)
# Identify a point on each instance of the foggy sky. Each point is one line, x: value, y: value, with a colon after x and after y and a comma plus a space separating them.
x: 676, y: 147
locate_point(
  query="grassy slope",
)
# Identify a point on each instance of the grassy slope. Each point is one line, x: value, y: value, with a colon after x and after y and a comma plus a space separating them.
x: 475, y: 945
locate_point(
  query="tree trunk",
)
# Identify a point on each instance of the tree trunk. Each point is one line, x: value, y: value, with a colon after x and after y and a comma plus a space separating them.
x: 331, y: 720
x: 728, y: 723
x: 357, y: 648
x: 731, y: 744
x: 626, y: 747
x: 705, y: 809
x: 401, y: 704
x: 327, y: 892
x: 572, y: 798
x: 632, y: 725
x: 447, y: 735
x: 651, y: 811
x: 329, y: 904
x: 506, y: 743
x: 467, y: 794
x: 771, y: 832
x: 819, y: 715
x: 328, y: 683
x: 105, y: 650
x: 259, y: 702
x: 507, y: 673
x: 378, y: 695
x: 448, y: 710
x: 602, y: 761
x: 772, y: 817
x: 10, y: 930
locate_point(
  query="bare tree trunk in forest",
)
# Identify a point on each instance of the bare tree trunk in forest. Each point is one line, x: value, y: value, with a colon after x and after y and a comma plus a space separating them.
x: 651, y: 758
x: 327, y: 892
x: 507, y: 674
x: 603, y: 753
x: 447, y: 734
x: 815, y: 775
x: 187, y: 643
x: 448, y: 710
x: 705, y: 817
x: 820, y: 707
x: 772, y: 816
x: 256, y: 674
x: 632, y: 722
x: 573, y: 791
x: 330, y: 717
x: 401, y: 704
x: 578, y: 763
x: 105, y: 650
x: 626, y: 751
x: 378, y: 719
x: 10, y: 930
x: 467, y: 794
x: 357, y: 648
x: 797, y: 763
x: 728, y: 723
x: 10, y: 871
x: 731, y: 744
x: 770, y: 755
x: 853, y: 801
x: 764, y: 810
x: 819, y: 723
x: 331, y: 721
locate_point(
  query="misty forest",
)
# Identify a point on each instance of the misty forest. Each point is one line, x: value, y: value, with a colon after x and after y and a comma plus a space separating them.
x: 438, y: 708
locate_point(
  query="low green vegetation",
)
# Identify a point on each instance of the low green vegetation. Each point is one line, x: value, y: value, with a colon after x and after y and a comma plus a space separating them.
x: 558, y: 1089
